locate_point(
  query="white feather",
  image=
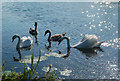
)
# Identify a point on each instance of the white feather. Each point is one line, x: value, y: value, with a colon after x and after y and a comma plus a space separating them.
x: 26, y: 41
x: 88, y: 41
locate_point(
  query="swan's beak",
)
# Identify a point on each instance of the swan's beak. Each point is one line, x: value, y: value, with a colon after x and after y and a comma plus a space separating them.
x: 58, y: 43
x: 45, y: 33
x: 12, y: 40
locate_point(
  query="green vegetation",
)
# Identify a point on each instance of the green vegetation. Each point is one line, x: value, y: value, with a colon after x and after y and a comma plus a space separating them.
x: 29, y: 74
x: 0, y: 72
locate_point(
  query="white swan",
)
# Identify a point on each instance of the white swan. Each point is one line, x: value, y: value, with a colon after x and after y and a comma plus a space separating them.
x: 23, y: 42
x: 88, y: 41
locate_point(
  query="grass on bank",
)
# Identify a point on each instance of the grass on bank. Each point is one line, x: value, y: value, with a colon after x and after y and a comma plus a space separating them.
x: 29, y: 73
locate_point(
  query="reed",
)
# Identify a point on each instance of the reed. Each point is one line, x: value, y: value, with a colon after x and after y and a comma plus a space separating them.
x: 29, y: 73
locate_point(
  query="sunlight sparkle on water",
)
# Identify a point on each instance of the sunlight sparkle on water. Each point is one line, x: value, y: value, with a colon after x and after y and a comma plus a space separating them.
x: 55, y: 54
x: 90, y: 22
x: 46, y: 69
x: 101, y: 30
x: 107, y: 3
x: 85, y: 25
x: 105, y: 12
x: 87, y: 11
x: 110, y: 6
x: 108, y: 28
x: 106, y: 44
x: 93, y: 26
x: 66, y: 72
x: 28, y: 59
x: 82, y: 12
x: 116, y: 31
x: 81, y: 34
x: 92, y: 6
x: 114, y: 14
x: 101, y: 6
x: 90, y: 27
x: 98, y: 9
x: 105, y: 26
x: 99, y: 24
x: 104, y: 21
x: 97, y: 13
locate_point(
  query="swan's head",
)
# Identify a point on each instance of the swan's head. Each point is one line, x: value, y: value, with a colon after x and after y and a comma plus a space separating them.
x: 64, y: 34
x: 47, y: 31
x: 31, y: 28
x: 35, y: 24
x: 14, y: 37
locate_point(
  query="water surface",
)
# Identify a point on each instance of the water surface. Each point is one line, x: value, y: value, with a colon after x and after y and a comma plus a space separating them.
x: 77, y: 20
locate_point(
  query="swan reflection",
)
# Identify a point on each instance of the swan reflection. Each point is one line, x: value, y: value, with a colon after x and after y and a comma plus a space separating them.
x: 67, y: 55
x: 23, y: 49
x: 58, y: 54
x: 14, y: 58
x: 49, y: 46
x: 27, y: 48
x: 90, y: 52
x: 23, y: 42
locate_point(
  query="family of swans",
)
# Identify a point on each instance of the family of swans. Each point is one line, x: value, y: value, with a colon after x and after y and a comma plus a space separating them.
x: 88, y: 41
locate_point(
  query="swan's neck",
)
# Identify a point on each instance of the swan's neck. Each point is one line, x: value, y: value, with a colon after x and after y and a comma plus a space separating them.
x: 35, y: 28
x: 18, y: 44
x: 68, y: 43
x: 49, y: 36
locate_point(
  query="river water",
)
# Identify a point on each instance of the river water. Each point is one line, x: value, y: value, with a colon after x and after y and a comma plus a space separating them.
x: 76, y: 19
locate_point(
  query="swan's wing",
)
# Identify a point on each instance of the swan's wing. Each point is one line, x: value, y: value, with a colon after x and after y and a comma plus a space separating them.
x: 23, y: 39
x: 55, y: 37
x: 94, y: 37
x: 84, y: 44
x: 31, y: 39
x: 83, y: 39
x: 25, y: 42
x: 87, y: 42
